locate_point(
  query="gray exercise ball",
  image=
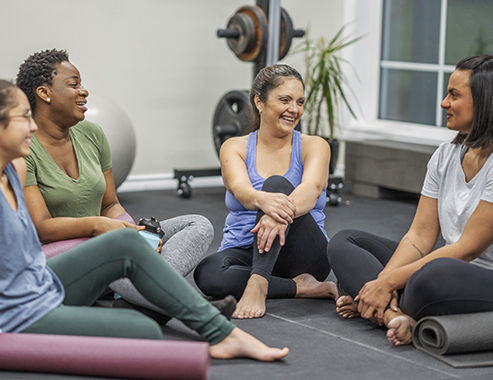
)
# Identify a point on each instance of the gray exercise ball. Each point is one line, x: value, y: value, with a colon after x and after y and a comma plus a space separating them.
x: 118, y: 130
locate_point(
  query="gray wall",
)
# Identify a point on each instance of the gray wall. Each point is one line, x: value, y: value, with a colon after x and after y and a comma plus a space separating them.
x: 157, y: 59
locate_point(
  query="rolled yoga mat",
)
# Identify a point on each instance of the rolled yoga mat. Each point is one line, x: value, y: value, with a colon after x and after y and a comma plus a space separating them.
x: 460, y: 340
x: 99, y: 356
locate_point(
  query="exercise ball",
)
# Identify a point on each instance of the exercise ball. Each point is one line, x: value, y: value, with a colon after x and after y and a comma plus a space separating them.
x: 118, y: 130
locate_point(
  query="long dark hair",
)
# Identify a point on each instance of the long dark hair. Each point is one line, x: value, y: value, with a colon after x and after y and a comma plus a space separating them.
x: 481, y: 83
x: 7, y: 100
x: 266, y: 80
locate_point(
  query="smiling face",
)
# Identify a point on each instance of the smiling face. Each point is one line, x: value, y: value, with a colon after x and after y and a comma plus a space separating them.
x: 458, y: 102
x: 16, y: 135
x: 67, y: 96
x: 284, y: 106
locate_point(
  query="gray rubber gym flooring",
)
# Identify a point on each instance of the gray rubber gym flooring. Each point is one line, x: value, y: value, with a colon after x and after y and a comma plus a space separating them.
x: 323, y: 345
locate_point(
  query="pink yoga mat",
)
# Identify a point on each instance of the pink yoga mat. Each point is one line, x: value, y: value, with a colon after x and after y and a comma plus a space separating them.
x: 111, y: 357
x: 57, y: 247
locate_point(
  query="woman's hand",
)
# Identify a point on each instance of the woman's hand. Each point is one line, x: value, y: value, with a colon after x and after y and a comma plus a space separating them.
x: 267, y: 229
x: 279, y: 206
x: 374, y: 297
x: 103, y: 224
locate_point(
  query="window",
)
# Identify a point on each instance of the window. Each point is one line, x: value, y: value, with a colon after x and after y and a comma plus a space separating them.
x: 402, y: 64
x: 421, y: 41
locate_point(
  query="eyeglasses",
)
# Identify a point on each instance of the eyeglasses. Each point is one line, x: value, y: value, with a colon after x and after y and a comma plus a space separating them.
x: 27, y: 116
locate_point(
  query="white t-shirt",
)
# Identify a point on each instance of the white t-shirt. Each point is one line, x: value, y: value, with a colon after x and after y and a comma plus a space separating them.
x: 457, y: 199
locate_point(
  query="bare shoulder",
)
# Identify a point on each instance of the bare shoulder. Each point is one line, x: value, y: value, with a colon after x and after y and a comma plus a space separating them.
x: 314, y: 145
x: 234, y: 145
x: 20, y: 167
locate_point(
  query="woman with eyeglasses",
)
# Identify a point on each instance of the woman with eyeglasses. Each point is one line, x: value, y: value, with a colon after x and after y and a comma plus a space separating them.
x: 69, y: 190
x: 54, y: 296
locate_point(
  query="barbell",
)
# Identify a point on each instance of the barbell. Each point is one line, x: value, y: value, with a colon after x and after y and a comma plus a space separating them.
x: 247, y: 30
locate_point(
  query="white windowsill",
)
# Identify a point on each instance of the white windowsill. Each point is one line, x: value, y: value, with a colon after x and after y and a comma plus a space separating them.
x: 396, y: 131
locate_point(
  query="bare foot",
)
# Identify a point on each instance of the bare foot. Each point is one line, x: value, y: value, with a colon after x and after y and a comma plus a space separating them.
x: 239, y: 344
x: 308, y: 286
x: 252, y: 302
x: 346, y: 307
x: 400, y: 330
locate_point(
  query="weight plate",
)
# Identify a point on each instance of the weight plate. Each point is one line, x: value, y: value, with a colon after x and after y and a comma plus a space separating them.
x: 286, y: 35
x: 259, y: 19
x: 247, y: 34
x: 233, y: 117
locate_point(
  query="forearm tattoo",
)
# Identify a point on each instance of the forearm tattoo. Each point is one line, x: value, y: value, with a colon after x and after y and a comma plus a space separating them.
x: 414, y: 245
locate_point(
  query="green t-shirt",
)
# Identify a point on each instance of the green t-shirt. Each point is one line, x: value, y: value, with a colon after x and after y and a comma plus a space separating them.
x: 65, y: 196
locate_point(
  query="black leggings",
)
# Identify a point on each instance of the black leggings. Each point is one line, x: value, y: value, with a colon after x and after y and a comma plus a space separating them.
x: 228, y: 271
x: 443, y: 286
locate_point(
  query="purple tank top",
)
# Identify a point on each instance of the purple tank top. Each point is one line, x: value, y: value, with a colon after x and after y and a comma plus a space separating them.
x: 240, y: 221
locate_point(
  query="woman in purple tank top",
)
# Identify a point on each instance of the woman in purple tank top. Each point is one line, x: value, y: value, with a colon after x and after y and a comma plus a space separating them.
x: 274, y: 241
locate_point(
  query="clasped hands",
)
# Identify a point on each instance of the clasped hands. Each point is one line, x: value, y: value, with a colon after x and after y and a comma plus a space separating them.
x: 279, y: 212
x: 374, y: 298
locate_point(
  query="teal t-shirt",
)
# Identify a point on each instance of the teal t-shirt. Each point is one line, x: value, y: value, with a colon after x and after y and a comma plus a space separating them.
x: 65, y: 196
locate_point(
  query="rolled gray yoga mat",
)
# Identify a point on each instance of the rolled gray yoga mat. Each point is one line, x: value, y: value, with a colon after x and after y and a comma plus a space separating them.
x: 460, y: 340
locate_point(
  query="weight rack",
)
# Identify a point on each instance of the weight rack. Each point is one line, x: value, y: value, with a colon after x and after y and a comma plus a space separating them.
x: 261, y: 34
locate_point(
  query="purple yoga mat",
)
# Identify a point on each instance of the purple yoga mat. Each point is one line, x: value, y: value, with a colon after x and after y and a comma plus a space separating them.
x: 98, y: 356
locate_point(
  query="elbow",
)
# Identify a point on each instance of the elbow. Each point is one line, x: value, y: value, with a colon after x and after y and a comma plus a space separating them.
x: 469, y: 252
x: 474, y: 254
x: 43, y: 235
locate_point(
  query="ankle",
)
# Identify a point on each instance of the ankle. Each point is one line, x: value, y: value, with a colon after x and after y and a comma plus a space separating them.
x: 259, y: 282
x: 390, y: 314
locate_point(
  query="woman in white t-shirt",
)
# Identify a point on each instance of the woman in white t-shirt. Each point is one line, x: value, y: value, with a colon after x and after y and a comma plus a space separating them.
x: 397, y: 283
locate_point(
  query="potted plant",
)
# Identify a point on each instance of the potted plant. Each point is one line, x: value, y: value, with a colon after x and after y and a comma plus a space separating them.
x: 325, y: 90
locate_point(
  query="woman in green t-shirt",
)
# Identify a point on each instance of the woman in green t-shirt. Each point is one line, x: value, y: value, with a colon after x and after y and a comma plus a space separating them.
x: 69, y: 190
x: 52, y: 296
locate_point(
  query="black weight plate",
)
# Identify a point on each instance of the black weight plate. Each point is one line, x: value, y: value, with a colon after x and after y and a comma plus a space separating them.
x: 247, y: 34
x: 286, y: 36
x: 232, y: 117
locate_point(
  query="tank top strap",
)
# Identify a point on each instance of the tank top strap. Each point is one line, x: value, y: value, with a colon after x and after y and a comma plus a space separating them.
x: 297, y: 146
x: 251, y: 155
x: 295, y: 171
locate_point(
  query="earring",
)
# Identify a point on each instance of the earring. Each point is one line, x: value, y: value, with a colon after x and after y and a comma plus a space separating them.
x: 48, y: 100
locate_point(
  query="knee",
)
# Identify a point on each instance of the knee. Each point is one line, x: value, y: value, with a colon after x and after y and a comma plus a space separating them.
x: 123, y: 239
x: 428, y: 285
x: 277, y: 184
x: 146, y: 328
x: 204, y: 227
x: 207, y: 278
x: 336, y: 248
x: 429, y: 280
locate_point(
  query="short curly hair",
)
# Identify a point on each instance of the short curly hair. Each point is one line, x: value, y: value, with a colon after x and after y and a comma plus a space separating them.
x: 37, y: 70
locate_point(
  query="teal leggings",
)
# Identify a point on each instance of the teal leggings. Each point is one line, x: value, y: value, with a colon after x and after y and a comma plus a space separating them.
x: 88, y: 269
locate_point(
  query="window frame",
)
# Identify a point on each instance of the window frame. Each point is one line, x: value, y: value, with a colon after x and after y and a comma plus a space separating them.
x: 364, y: 18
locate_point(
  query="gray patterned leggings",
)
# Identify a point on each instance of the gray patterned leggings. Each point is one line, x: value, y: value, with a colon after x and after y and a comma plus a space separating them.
x: 186, y: 241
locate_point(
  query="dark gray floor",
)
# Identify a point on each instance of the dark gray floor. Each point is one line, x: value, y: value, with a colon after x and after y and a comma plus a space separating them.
x: 323, y: 345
